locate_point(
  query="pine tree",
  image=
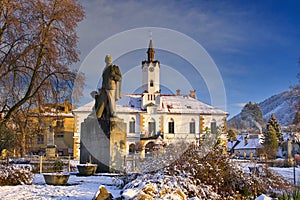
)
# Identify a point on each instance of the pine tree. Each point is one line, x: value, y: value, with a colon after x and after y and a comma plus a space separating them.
x: 271, y: 142
x: 274, y: 123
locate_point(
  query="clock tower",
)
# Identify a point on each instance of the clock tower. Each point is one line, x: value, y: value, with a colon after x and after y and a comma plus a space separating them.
x: 150, y: 80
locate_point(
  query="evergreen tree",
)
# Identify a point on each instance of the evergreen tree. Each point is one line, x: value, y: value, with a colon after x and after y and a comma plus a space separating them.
x: 271, y: 142
x: 273, y: 123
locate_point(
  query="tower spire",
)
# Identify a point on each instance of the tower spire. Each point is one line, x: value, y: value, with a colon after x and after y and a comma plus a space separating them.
x: 150, y: 51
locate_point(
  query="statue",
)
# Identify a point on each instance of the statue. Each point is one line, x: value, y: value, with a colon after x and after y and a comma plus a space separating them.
x: 110, y: 92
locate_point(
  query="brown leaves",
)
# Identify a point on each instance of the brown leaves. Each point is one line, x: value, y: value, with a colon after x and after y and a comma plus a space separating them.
x: 37, y: 46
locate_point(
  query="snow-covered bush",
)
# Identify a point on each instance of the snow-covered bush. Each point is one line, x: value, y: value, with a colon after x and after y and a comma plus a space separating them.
x: 225, y: 176
x: 15, y: 175
x: 207, y: 176
x: 161, y: 186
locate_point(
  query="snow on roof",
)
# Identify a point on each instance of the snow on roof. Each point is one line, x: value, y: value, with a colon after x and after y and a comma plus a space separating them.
x: 168, y: 104
x: 120, y: 108
x: 230, y: 145
x: 250, y: 143
x: 127, y: 109
x: 85, y: 108
x: 186, y: 104
x: 50, y: 114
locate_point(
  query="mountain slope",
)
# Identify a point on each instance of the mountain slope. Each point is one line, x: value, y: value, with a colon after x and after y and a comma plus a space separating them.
x: 282, y: 105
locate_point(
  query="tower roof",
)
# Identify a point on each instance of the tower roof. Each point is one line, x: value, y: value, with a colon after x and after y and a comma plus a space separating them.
x: 150, y: 52
x: 150, y: 45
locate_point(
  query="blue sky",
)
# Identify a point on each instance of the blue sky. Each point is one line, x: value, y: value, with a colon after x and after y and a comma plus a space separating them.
x: 254, y: 44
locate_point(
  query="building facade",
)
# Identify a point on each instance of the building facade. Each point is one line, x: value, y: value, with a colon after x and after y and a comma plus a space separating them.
x: 152, y: 116
x: 57, y: 120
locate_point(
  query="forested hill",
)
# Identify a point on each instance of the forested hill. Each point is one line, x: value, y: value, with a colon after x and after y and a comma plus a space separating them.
x: 283, y: 105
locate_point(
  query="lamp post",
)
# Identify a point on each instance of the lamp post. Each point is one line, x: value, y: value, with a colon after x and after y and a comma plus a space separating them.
x: 294, y: 157
x: 294, y: 167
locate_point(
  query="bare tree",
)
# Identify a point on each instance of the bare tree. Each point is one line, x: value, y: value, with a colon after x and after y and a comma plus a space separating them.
x: 37, y: 46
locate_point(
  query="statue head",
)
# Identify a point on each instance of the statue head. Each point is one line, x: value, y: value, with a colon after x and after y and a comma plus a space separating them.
x: 108, y: 60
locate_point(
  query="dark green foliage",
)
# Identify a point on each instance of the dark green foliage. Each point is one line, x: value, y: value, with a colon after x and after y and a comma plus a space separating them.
x: 271, y: 143
x: 273, y: 123
x: 58, y: 165
x: 273, y: 137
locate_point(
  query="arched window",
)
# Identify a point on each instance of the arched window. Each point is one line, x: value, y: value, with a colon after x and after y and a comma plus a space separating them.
x: 131, y: 148
x: 149, y: 149
x: 132, y: 125
x: 151, y: 83
x: 213, y: 126
x: 151, y: 127
x: 192, y: 126
x: 171, y: 125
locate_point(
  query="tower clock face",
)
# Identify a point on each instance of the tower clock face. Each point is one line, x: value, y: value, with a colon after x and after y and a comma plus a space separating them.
x: 151, y: 69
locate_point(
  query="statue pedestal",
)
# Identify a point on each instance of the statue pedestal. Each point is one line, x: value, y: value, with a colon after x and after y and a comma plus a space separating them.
x: 51, y: 151
x: 103, y: 143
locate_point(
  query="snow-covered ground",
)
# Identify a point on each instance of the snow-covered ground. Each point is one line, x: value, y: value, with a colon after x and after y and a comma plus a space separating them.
x: 286, y: 172
x: 80, y: 187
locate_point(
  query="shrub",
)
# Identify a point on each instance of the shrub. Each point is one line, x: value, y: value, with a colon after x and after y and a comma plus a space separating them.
x: 226, y: 177
x: 58, y: 165
x: 206, y: 175
x: 15, y: 175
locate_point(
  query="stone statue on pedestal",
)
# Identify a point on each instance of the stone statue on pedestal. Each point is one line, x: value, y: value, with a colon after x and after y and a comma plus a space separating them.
x: 103, y: 137
x: 110, y: 92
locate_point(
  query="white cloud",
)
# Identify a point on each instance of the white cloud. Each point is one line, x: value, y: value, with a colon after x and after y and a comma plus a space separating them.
x: 239, y: 105
x: 206, y: 22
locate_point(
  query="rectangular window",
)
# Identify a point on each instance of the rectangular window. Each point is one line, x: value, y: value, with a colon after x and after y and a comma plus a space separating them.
x: 151, y: 128
x: 40, y: 139
x: 192, y: 127
x: 60, y: 123
x: 151, y: 83
x: 171, y: 127
x: 60, y: 135
x: 132, y: 127
x: 213, y: 127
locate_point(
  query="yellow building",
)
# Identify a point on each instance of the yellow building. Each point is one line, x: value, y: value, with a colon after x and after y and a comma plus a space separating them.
x: 54, y: 119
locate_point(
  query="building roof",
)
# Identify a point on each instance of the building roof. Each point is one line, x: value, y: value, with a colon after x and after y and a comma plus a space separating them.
x: 120, y: 108
x: 250, y: 143
x: 168, y: 104
x: 186, y: 104
x: 86, y: 107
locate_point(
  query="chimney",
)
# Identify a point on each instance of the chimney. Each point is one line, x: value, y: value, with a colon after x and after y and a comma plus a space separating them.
x: 246, y: 139
x: 178, y: 92
x: 193, y: 93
